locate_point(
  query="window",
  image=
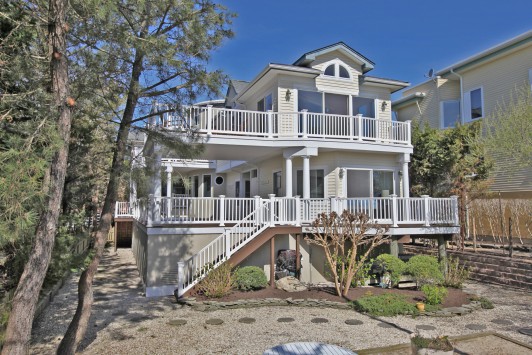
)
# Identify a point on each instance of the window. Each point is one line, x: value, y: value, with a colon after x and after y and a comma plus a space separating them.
x: 330, y: 70
x: 336, y: 104
x: 473, y: 104
x: 382, y: 183
x: 207, y: 184
x: 449, y: 113
x: 310, y: 100
x: 265, y: 104
x: 317, y: 186
x: 196, y: 186
x: 219, y: 180
x: 277, y: 183
x: 364, y: 106
x: 337, y: 70
x: 254, y: 173
x: 343, y: 73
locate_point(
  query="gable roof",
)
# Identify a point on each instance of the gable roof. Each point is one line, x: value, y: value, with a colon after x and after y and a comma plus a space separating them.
x: 309, y: 57
x: 239, y: 85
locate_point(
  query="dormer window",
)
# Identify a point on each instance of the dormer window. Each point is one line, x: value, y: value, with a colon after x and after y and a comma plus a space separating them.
x: 337, y: 70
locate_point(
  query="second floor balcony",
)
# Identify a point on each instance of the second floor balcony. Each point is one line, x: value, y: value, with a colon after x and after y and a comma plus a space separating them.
x: 222, y: 122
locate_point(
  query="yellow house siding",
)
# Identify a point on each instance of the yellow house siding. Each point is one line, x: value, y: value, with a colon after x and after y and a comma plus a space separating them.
x: 500, y: 77
x: 339, y: 85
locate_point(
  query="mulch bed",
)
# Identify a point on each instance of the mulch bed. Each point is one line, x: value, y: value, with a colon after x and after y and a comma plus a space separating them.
x: 455, y: 297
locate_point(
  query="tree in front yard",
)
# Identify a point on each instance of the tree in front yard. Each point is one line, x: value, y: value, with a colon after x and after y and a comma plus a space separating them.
x: 347, y: 240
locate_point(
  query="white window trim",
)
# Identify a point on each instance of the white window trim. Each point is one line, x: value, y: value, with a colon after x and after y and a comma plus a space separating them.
x: 441, y: 112
x: 467, y: 113
x: 325, y: 173
x: 336, y: 76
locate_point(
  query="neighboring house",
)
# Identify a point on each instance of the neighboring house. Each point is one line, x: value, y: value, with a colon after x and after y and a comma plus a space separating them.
x: 297, y: 140
x: 472, y: 89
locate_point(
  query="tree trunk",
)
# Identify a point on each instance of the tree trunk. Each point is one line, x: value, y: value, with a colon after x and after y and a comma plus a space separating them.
x: 18, y: 330
x: 78, y: 326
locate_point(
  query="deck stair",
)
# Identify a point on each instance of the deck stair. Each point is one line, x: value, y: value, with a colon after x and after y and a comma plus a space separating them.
x: 227, y: 246
x: 499, y: 270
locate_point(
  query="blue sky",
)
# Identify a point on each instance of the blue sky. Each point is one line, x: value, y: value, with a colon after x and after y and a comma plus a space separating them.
x: 405, y: 38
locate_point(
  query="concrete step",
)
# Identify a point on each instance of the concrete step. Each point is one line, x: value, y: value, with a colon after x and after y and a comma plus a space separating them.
x: 492, y: 267
x: 500, y: 281
x: 502, y: 274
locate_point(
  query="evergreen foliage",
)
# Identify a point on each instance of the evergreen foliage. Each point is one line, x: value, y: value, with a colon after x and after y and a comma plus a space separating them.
x: 249, y: 278
x: 424, y: 269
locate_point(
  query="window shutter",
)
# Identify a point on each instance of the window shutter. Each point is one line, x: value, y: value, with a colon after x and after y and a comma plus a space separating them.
x: 467, y: 106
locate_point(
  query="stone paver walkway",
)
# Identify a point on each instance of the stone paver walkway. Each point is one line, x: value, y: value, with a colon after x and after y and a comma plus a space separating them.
x: 125, y: 322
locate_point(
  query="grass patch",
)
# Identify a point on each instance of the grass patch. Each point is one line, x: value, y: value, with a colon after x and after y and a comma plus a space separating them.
x: 388, y: 304
x: 484, y: 302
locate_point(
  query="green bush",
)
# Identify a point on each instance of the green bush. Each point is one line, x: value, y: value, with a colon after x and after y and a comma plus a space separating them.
x: 387, y: 304
x: 439, y: 343
x: 434, y: 294
x: 218, y: 282
x: 393, y: 265
x: 484, y: 302
x: 250, y: 278
x: 424, y: 269
x: 456, y: 274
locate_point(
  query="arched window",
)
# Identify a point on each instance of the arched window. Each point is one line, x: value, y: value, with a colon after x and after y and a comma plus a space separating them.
x: 343, y: 73
x: 330, y: 70
x: 337, y: 70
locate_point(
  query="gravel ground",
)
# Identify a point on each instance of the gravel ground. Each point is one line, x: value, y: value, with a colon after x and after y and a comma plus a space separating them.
x: 125, y: 322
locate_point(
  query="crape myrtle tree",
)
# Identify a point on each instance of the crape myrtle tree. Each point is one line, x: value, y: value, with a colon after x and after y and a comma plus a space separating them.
x: 347, y: 240
x: 151, y: 50
x: 54, y: 111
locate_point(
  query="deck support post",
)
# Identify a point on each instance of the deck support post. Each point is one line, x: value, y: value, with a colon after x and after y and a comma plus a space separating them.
x: 180, y: 278
x: 258, y: 216
x: 359, y: 126
x: 169, y: 211
x: 442, y: 253
x: 272, y: 209
x: 426, y: 209
x: 406, y: 180
x: 394, y: 210
x: 394, y: 246
x: 272, y: 262
x: 298, y: 261
x: 304, y: 124
x: 270, y: 124
x: 209, y: 120
x: 298, y: 211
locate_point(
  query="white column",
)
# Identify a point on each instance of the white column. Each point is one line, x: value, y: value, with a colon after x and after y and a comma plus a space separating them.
x: 169, y: 211
x: 288, y: 177
x: 169, y: 170
x: 306, y: 177
x: 406, y: 180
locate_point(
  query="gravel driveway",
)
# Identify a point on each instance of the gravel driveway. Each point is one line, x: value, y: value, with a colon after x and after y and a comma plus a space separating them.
x: 125, y: 322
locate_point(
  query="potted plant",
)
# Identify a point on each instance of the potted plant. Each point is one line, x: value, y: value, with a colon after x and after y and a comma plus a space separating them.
x: 433, y: 346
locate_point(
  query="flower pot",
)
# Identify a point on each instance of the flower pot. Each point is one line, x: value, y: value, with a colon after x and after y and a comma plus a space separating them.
x: 420, y: 306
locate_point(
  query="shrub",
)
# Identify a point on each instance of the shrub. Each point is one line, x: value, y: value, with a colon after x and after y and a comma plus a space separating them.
x: 456, y: 274
x: 363, y: 273
x: 250, y: 278
x: 484, y: 302
x: 393, y: 265
x: 387, y: 304
x: 434, y: 294
x: 218, y: 282
x: 424, y: 269
x: 439, y: 343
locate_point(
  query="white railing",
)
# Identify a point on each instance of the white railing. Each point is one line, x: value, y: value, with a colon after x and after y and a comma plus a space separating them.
x: 231, y: 122
x: 293, y: 210
x: 122, y: 209
x: 220, y: 249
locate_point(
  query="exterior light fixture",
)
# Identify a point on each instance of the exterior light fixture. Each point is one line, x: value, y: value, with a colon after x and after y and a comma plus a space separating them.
x: 288, y: 95
x: 384, y: 105
x: 341, y: 173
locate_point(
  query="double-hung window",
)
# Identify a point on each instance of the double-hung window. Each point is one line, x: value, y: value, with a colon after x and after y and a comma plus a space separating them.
x: 449, y: 113
x: 473, y: 104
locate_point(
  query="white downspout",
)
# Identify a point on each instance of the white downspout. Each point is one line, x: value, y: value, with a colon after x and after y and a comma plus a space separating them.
x: 461, y: 96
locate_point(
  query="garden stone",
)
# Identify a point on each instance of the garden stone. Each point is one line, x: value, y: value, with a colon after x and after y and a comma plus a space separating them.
x: 353, y: 322
x: 246, y: 320
x: 526, y: 331
x: 214, y: 321
x: 177, y: 322
x: 319, y: 320
x: 285, y: 320
x: 290, y: 284
x: 501, y: 321
x: 475, y: 326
